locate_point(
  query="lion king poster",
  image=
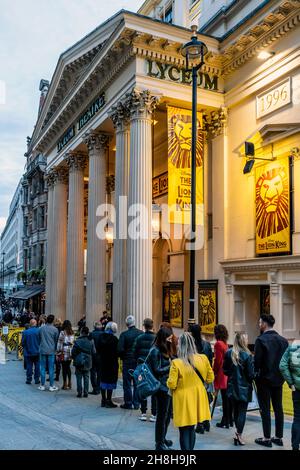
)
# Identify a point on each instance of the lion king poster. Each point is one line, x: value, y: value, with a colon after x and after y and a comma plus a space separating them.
x: 179, y: 166
x: 208, y: 305
x: 273, y: 208
x: 173, y: 304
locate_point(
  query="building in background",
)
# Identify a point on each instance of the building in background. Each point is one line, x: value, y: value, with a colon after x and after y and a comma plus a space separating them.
x: 11, y: 260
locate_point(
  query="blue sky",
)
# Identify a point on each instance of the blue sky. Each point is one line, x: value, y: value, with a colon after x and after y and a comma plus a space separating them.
x: 33, y: 33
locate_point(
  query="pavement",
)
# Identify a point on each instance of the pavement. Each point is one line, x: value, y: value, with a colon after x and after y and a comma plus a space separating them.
x: 35, y: 420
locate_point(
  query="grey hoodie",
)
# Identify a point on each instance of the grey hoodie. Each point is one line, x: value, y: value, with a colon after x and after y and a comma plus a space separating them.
x: 48, y: 339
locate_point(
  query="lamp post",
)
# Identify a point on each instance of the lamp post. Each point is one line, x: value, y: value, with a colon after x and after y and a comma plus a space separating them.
x: 194, y: 52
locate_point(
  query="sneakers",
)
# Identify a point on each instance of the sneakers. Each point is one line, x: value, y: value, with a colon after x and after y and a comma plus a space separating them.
x: 53, y: 389
x: 152, y: 419
x: 42, y: 388
x: 143, y: 417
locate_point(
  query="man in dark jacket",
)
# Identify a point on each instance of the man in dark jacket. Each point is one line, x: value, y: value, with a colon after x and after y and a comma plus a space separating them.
x: 95, y: 370
x: 269, y: 349
x: 125, y: 351
x: 141, y: 348
x: 82, y: 353
x: 31, y: 348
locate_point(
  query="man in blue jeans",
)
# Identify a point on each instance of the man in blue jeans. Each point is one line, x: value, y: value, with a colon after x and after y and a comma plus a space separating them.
x: 126, y: 353
x: 48, y: 335
x: 31, y: 348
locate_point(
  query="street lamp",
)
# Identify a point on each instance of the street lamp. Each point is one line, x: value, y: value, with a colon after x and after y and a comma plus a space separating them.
x: 194, y: 52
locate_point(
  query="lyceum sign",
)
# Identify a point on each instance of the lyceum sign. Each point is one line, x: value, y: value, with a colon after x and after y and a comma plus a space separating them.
x: 174, y: 73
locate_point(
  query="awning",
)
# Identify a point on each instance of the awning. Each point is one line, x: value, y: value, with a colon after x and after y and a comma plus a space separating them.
x: 28, y: 293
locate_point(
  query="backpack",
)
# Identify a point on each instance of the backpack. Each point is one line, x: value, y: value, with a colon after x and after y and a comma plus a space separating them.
x: 145, y: 382
x: 82, y: 361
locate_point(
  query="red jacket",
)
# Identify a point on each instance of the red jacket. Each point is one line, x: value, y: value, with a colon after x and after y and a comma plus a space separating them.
x: 220, y: 382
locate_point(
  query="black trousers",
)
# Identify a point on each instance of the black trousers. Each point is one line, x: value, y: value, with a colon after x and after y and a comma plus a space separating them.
x: 239, y: 414
x: 227, y: 417
x: 153, y: 405
x: 95, y: 377
x: 266, y: 395
x: 66, y: 370
x: 187, y: 437
x: 296, y: 422
x: 163, y: 416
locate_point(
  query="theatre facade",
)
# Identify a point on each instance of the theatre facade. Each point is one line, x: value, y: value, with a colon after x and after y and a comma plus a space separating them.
x: 115, y: 128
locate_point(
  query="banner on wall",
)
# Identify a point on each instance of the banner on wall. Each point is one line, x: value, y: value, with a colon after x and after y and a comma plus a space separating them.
x: 179, y: 166
x: 173, y: 304
x: 273, y: 229
x: 208, y: 306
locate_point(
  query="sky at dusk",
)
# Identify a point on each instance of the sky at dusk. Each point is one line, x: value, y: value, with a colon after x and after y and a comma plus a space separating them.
x: 33, y: 34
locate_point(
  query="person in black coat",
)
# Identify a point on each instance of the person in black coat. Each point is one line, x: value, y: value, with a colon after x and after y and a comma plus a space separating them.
x: 203, y: 347
x: 95, y: 370
x: 159, y: 362
x: 141, y: 348
x: 82, y: 353
x: 125, y: 351
x: 107, y: 347
x: 268, y: 351
x: 238, y: 366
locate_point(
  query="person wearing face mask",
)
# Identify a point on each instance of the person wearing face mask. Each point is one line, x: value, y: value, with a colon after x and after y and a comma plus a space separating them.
x: 290, y: 369
x: 269, y: 349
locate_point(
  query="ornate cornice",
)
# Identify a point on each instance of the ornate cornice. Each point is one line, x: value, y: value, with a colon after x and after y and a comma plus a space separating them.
x: 50, y: 179
x: 272, y: 28
x: 96, y: 141
x: 215, y: 122
x: 141, y: 103
x: 76, y: 161
x: 260, y: 264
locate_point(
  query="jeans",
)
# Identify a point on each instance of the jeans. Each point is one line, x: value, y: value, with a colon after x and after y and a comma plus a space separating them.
x: 239, y: 414
x: 187, y: 437
x: 296, y: 422
x: 227, y: 409
x: 66, y: 370
x: 85, y: 375
x: 266, y: 395
x: 30, y: 361
x: 163, y: 417
x: 130, y: 397
x: 153, y: 406
x: 50, y: 359
x: 95, y: 377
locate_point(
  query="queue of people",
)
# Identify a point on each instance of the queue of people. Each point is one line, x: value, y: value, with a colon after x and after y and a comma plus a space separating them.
x: 187, y: 371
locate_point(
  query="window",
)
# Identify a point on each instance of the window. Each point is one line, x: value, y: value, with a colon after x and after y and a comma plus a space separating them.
x: 42, y: 255
x: 34, y: 257
x: 34, y: 220
x: 167, y: 16
x: 42, y: 217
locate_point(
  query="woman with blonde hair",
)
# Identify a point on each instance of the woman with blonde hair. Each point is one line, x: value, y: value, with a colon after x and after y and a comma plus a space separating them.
x: 239, y: 367
x: 188, y: 376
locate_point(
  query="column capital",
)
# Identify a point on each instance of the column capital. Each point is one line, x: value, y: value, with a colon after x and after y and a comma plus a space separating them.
x: 50, y: 179
x: 141, y: 103
x: 60, y: 176
x: 120, y: 116
x: 96, y: 141
x: 215, y: 122
x: 76, y: 161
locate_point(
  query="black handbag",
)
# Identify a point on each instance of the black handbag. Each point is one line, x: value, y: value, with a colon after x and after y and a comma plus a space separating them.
x: 209, y: 394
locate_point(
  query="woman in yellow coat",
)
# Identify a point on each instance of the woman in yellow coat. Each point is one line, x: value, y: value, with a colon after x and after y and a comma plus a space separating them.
x: 190, y: 402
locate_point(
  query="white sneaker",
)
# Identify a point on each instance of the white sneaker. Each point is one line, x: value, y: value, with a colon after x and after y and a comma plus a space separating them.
x: 53, y: 389
x: 42, y: 388
x: 143, y: 417
x: 152, y: 419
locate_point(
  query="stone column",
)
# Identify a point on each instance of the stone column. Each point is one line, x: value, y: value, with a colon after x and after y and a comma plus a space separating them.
x: 139, y: 287
x: 75, y: 245
x: 120, y: 118
x: 96, y: 248
x: 49, y: 259
x: 59, y: 249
